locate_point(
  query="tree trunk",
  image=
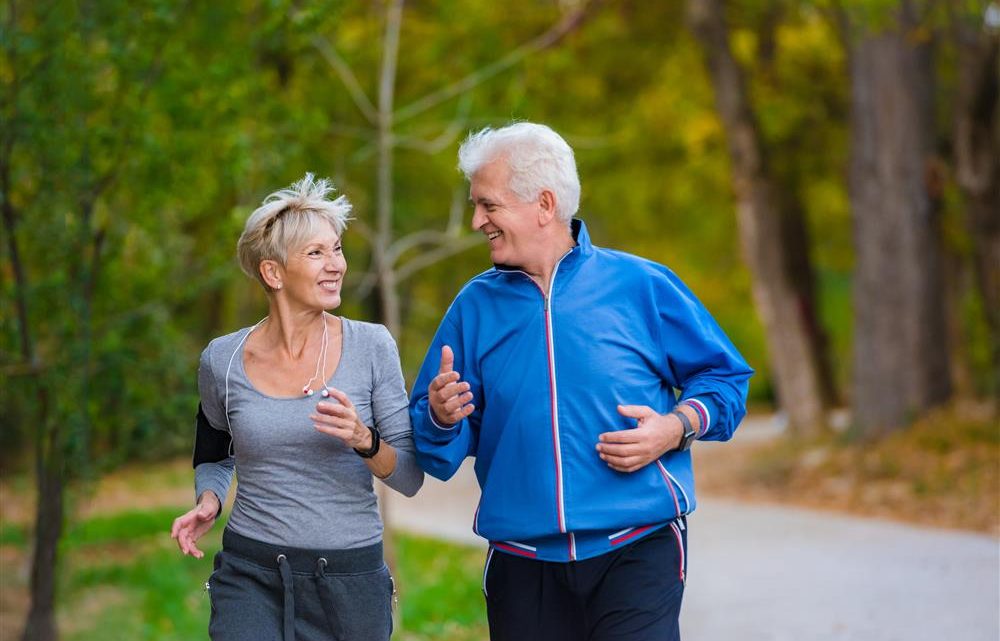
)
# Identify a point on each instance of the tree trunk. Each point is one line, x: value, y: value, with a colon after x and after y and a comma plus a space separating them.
x: 386, y: 286
x: 382, y: 264
x: 901, y: 358
x: 41, y: 622
x: 977, y: 165
x: 763, y: 228
x: 796, y: 242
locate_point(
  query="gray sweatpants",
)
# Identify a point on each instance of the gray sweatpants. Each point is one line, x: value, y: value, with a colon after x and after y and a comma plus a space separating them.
x: 264, y: 592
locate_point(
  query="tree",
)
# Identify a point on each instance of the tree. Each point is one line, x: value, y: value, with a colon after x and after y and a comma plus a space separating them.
x: 92, y: 170
x: 901, y: 357
x: 388, y: 248
x: 976, y: 150
x: 772, y: 235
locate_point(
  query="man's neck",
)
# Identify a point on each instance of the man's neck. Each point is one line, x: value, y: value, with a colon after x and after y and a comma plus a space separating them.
x: 542, y: 274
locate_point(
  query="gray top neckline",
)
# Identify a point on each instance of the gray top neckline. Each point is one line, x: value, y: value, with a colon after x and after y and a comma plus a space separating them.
x: 346, y: 326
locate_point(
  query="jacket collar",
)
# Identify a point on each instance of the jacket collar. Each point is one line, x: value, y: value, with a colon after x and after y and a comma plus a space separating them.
x: 583, y: 247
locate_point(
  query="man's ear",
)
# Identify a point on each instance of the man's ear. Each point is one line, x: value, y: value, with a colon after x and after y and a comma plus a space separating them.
x: 546, y: 207
x: 271, y: 272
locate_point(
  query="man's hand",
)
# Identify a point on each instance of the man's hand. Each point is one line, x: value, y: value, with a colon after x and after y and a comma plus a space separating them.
x: 449, y: 396
x: 190, y: 527
x: 653, y: 436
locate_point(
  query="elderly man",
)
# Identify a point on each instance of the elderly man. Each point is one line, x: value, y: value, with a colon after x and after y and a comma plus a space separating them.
x: 578, y: 377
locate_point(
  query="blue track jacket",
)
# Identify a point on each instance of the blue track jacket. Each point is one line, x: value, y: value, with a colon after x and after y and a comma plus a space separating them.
x: 547, y: 372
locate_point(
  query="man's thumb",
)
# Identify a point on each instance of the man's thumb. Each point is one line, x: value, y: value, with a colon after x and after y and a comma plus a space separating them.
x: 447, y: 360
x: 635, y: 411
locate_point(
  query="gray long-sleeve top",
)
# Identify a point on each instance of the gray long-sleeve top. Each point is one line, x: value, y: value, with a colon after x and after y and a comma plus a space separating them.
x: 297, y: 486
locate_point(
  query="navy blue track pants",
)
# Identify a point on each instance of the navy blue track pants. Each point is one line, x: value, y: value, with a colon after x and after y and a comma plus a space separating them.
x: 630, y: 594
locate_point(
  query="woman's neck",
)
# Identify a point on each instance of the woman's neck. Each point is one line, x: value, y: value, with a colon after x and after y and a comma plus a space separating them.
x: 292, y: 332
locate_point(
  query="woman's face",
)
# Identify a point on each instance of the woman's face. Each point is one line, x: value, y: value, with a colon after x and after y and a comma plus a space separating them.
x: 314, y: 271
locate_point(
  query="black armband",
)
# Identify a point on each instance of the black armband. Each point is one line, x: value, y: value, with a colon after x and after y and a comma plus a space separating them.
x: 210, y: 445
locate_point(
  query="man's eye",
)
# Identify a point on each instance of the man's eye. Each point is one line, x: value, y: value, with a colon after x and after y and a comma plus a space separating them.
x: 338, y: 249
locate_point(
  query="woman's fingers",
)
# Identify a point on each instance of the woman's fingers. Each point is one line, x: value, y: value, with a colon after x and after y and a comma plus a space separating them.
x: 180, y: 531
x: 190, y: 526
x: 335, y: 416
x: 341, y: 397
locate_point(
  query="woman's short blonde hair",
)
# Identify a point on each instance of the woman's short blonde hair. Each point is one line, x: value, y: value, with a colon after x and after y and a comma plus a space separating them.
x: 288, y: 218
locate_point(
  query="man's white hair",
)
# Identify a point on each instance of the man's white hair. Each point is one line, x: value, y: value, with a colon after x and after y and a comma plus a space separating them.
x: 288, y: 218
x: 538, y: 158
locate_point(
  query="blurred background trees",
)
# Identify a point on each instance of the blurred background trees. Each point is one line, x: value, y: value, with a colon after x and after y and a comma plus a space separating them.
x: 824, y: 175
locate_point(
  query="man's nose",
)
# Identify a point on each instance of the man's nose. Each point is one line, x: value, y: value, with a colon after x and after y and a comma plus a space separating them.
x: 478, y: 218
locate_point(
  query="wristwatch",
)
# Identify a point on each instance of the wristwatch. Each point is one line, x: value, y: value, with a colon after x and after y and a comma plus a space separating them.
x: 376, y: 441
x: 689, y: 432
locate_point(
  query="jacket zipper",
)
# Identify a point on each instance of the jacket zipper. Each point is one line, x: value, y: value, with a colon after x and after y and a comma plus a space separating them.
x: 557, y: 443
x: 557, y: 447
x: 553, y: 400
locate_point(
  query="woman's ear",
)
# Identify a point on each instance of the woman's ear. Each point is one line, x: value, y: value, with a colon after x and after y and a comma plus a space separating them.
x: 271, y: 272
x: 546, y: 207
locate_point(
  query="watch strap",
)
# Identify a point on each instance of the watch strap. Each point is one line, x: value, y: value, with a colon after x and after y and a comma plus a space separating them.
x: 689, y: 432
x: 376, y: 443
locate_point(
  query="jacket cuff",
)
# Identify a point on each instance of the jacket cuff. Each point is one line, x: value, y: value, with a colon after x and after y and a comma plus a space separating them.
x: 705, y: 410
x: 434, y: 421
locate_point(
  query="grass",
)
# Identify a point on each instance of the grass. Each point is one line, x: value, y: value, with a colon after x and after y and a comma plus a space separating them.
x: 123, y: 578
x: 124, y: 583
x: 135, y: 589
x: 440, y: 593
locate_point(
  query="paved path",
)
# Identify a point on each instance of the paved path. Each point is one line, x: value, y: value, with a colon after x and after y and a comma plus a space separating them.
x: 766, y: 573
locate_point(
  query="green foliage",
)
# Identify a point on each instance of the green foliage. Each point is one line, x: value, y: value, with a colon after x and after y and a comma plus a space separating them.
x: 139, y: 137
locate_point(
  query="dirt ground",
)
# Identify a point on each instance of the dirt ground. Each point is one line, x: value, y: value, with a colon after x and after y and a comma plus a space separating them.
x: 943, y: 472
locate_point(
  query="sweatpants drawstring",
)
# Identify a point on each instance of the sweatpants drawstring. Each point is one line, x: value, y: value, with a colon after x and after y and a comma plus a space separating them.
x: 286, y: 582
x: 326, y: 592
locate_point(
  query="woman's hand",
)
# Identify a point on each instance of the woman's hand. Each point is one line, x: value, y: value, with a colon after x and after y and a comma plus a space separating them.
x: 190, y: 527
x: 340, y: 420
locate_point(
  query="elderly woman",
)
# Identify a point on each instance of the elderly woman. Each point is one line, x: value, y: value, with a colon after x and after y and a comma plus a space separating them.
x: 308, y: 406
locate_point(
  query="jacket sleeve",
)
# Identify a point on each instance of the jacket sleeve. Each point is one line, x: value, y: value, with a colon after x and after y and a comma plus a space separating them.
x: 441, y: 449
x: 703, y: 363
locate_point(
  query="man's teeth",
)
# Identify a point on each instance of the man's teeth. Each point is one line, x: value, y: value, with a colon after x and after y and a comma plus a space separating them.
x: 493, y: 235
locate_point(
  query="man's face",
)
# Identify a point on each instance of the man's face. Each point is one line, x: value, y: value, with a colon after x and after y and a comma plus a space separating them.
x: 510, y: 226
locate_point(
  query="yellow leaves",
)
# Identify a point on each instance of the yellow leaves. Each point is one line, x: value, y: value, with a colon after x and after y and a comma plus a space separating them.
x: 700, y: 131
